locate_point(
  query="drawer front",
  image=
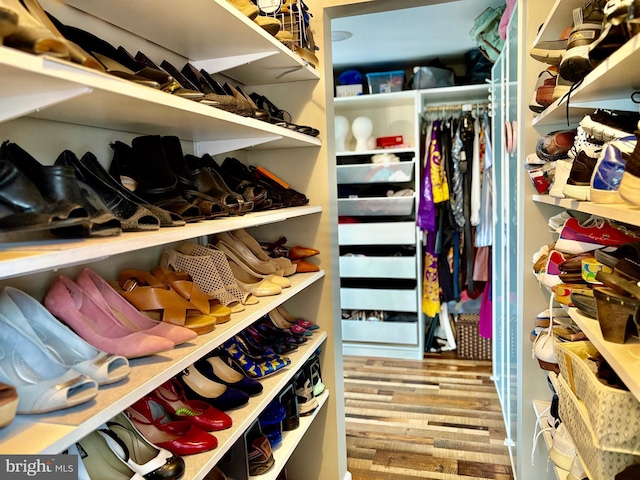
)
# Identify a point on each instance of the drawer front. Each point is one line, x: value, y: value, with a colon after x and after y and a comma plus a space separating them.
x: 378, y: 267
x: 375, y: 173
x: 399, y: 333
x: 396, y: 233
x: 378, y: 299
x: 376, y: 206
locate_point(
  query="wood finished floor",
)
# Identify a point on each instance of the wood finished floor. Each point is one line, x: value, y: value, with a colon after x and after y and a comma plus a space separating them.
x: 434, y: 419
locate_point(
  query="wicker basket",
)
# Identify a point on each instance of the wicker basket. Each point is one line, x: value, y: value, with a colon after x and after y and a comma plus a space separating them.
x: 470, y: 344
x: 614, y: 414
x: 599, y: 462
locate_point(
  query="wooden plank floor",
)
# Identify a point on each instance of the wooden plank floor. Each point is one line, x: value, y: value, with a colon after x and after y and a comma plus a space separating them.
x: 434, y: 419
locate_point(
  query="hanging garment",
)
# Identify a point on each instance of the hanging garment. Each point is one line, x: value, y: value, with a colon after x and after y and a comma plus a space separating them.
x: 439, y: 185
x: 484, y: 231
x: 456, y: 180
x: 485, y: 327
x: 476, y: 178
x: 430, y: 285
x: 467, y: 137
x: 426, y: 217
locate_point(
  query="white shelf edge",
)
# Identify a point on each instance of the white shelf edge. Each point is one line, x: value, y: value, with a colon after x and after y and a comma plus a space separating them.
x: 53, y: 432
x: 374, y: 152
x: 105, y: 97
x: 26, y: 258
x: 623, y: 358
x: 621, y: 213
x: 538, y: 407
x: 290, y: 441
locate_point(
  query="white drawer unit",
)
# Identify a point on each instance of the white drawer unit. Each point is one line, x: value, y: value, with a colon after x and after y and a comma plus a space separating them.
x: 396, y: 333
x: 397, y: 233
x: 375, y: 172
x: 391, y: 300
x: 374, y: 206
x: 377, y: 267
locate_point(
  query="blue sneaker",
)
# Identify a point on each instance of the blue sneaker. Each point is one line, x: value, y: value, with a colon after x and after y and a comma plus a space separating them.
x: 609, y: 169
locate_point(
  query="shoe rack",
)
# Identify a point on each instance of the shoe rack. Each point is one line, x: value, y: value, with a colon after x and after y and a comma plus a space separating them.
x: 609, y: 85
x: 50, y: 105
x: 390, y: 224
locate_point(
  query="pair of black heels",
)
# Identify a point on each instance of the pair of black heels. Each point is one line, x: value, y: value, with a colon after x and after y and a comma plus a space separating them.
x: 37, y: 198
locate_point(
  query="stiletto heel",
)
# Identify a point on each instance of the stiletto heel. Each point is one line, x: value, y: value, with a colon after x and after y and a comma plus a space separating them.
x: 284, y: 264
x: 174, y: 87
x: 197, y: 385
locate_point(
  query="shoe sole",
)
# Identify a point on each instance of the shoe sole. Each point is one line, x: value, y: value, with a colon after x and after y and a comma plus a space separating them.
x: 577, y: 192
x: 575, y: 246
x: 605, y: 196
x: 628, y: 189
x: 561, y: 460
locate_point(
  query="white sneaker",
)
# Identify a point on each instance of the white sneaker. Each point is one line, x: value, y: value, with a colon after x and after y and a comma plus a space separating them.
x: 562, y: 451
x: 557, y: 221
x: 563, y: 169
x: 577, y: 471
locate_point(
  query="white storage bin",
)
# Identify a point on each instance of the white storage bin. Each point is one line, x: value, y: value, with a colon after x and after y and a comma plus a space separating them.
x: 394, y: 300
x: 397, y: 233
x: 370, y: 206
x: 377, y: 267
x: 614, y: 414
x: 375, y: 173
x: 401, y: 333
x: 599, y: 462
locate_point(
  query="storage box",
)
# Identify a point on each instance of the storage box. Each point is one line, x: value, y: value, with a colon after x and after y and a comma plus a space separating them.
x: 375, y: 173
x: 385, y: 82
x: 389, y: 142
x: 348, y: 90
x: 470, y: 344
x: 598, y: 461
x: 614, y: 414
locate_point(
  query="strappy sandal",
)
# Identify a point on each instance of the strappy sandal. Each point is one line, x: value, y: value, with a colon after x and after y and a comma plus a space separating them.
x: 280, y: 117
x: 161, y: 302
x: 182, y: 283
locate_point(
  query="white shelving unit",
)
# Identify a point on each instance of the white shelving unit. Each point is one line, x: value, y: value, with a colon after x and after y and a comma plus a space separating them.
x: 50, y: 105
x: 609, y: 85
x: 394, y: 114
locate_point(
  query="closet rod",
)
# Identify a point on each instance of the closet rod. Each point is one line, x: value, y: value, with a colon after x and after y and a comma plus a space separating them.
x: 457, y: 106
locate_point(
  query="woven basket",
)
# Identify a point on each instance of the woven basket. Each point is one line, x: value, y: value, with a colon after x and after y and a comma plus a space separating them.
x: 614, y: 414
x: 599, y: 462
x: 470, y: 344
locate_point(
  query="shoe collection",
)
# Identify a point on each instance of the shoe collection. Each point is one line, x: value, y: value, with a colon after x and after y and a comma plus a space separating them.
x: 27, y: 27
x: 593, y: 266
x: 595, y: 31
x: 598, y: 161
x: 180, y: 416
x: 148, y: 185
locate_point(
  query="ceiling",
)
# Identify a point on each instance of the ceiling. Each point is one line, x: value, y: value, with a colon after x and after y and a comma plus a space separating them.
x: 401, y: 36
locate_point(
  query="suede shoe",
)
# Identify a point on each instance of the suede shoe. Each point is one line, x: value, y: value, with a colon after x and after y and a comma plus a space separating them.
x: 577, y: 185
x: 630, y: 181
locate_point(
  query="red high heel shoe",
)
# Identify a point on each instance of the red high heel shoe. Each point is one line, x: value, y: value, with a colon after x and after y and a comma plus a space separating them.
x: 178, y: 436
x: 201, y: 414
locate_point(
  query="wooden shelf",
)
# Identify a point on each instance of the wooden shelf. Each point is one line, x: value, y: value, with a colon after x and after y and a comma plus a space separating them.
x: 214, y: 34
x: 620, y: 213
x: 23, y: 258
x: 53, y: 432
x: 624, y: 358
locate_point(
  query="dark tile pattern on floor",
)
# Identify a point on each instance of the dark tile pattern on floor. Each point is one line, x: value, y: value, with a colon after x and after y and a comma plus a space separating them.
x: 434, y: 419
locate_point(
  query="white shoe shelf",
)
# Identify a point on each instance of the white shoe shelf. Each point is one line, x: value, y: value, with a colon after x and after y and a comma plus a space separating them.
x: 48, y: 105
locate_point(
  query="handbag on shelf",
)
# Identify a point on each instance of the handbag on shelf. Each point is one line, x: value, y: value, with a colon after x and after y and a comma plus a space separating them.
x: 485, y: 32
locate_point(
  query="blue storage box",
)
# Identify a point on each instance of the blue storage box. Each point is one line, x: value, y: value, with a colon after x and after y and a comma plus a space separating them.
x: 385, y: 82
